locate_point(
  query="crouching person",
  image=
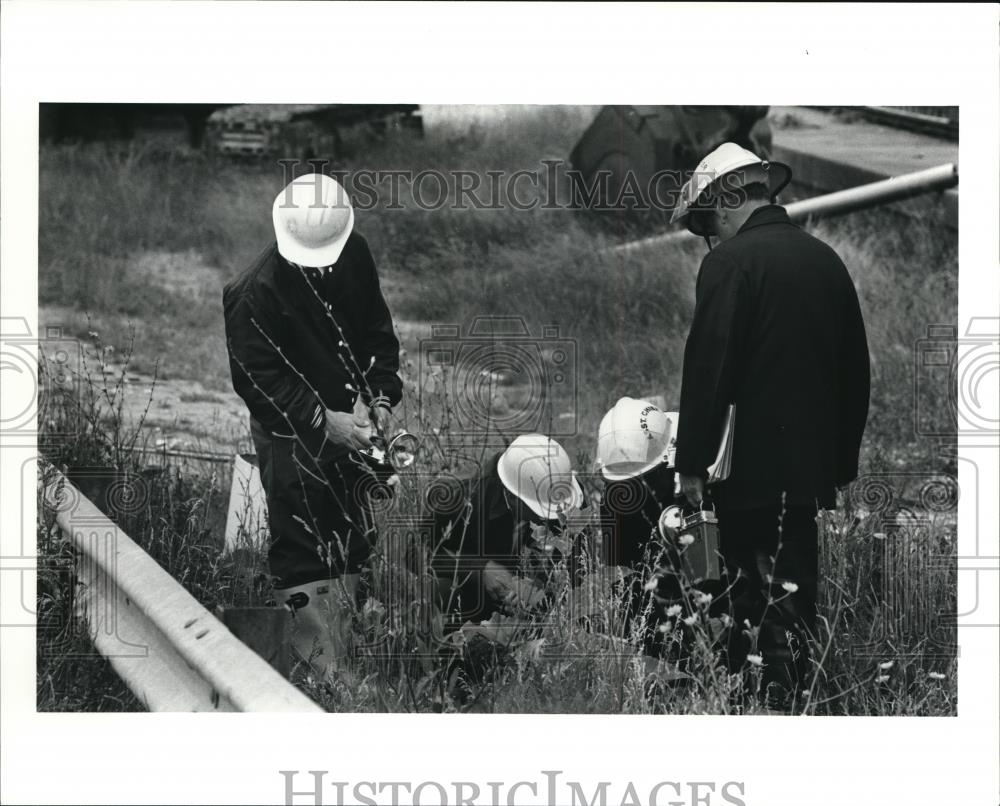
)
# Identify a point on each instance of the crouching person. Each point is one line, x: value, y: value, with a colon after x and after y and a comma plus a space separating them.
x: 489, y: 549
x: 660, y: 589
x: 308, y: 334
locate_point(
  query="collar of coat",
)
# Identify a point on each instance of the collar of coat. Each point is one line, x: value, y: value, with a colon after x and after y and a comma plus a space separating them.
x: 763, y: 216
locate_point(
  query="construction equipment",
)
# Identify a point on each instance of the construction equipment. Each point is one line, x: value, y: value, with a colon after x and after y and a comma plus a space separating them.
x: 656, y: 144
x: 89, y: 122
x: 304, y: 131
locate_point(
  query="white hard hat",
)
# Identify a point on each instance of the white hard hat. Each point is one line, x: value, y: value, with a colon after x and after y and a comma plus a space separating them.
x: 537, y: 470
x: 313, y: 218
x: 726, y: 159
x: 634, y: 437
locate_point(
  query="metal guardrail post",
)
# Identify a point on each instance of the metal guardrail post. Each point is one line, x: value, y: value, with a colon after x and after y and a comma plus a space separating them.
x: 170, y: 650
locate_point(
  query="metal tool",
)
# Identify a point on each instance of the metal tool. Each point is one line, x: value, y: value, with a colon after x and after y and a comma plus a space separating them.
x: 400, y: 452
x: 695, y: 537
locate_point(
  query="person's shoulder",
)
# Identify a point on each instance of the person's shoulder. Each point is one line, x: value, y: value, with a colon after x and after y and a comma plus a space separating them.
x: 819, y: 255
x: 787, y: 237
x: 356, y: 247
x: 257, y: 281
x: 723, y: 260
x: 724, y: 253
x: 261, y: 271
x: 822, y: 247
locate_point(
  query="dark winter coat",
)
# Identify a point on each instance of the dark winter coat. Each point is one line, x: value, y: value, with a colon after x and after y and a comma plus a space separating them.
x: 300, y: 343
x: 777, y: 330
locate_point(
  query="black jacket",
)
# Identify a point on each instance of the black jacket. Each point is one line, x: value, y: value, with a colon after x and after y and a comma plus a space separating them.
x: 299, y: 343
x: 630, y: 510
x: 466, y: 524
x: 473, y: 519
x: 777, y: 330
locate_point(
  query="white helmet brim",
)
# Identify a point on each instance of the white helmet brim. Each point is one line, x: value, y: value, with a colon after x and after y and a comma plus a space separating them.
x: 726, y: 160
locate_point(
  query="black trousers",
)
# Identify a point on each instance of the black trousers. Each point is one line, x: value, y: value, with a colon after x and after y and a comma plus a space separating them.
x: 771, y: 559
x: 318, y: 509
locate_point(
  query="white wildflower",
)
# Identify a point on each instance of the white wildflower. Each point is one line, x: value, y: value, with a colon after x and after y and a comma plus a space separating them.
x: 886, y: 665
x: 674, y: 610
x: 685, y: 540
x: 691, y: 620
x: 755, y: 660
x: 666, y: 626
x: 704, y: 599
x: 652, y: 583
x: 935, y: 675
x: 882, y: 678
x: 791, y: 587
x: 879, y: 535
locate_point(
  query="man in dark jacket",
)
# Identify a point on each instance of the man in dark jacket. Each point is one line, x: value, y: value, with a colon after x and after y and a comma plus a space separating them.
x: 777, y: 333
x: 309, y: 335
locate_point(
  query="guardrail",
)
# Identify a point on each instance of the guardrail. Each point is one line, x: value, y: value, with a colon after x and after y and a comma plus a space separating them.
x: 170, y: 650
x: 884, y: 191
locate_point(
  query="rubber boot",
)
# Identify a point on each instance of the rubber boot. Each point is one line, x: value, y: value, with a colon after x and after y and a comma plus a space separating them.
x: 322, y: 615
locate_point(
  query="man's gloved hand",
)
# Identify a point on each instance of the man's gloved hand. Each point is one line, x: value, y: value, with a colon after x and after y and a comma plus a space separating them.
x: 348, y: 430
x: 693, y: 489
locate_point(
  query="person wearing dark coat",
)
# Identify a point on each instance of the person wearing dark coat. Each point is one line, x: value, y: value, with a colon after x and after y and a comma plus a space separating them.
x: 488, y: 546
x: 309, y: 337
x: 777, y: 334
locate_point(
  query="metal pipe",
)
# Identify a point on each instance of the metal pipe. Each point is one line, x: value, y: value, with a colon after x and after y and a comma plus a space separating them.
x: 221, y: 458
x: 895, y: 188
x: 884, y: 191
x: 936, y: 125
